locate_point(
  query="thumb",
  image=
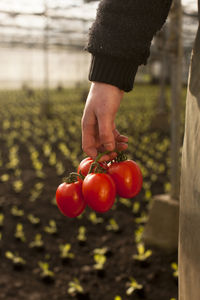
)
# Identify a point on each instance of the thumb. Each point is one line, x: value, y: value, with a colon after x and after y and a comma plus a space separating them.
x: 106, y: 135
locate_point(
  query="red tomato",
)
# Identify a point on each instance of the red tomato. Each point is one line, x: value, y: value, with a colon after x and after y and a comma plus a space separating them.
x: 85, y: 164
x: 70, y: 199
x: 99, y: 191
x: 127, y: 177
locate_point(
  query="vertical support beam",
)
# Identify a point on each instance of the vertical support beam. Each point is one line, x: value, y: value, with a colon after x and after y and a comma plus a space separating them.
x: 46, y: 104
x: 175, y: 44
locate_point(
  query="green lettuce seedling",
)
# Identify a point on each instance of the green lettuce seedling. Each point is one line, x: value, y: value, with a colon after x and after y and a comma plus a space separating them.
x: 82, y: 234
x: 138, y: 234
x: 75, y: 288
x: 46, y: 274
x: 125, y: 202
x: 136, y: 207
x: 38, y: 242
x: 175, y: 268
x: 132, y: 286
x: 142, y: 219
x: 64, y: 252
x: 101, y: 251
x: 34, y: 220
x: 142, y: 254
x: 100, y: 260
x: 18, y: 262
x: 52, y: 228
x: 94, y: 219
x: 112, y: 226
x: 1, y: 220
x: 18, y: 185
x: 15, y: 211
x: 19, y: 233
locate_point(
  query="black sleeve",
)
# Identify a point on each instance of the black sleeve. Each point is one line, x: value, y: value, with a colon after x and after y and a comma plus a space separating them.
x: 120, y: 38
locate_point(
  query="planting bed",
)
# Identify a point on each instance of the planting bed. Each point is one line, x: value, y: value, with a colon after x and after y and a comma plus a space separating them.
x: 37, y: 149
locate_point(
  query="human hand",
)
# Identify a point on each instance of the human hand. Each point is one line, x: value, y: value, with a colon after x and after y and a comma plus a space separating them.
x: 99, y: 133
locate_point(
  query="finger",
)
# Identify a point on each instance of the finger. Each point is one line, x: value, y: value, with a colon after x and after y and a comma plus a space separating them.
x: 89, y: 140
x: 106, y: 135
x: 119, y: 137
x: 122, y: 138
x: 108, y: 157
x: 121, y: 146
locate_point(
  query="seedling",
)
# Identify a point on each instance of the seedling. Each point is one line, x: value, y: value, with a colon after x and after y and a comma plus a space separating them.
x: 19, y: 233
x: 75, y: 288
x: 52, y: 159
x: 136, y: 207
x: 148, y: 195
x: 94, y: 219
x: 15, y: 211
x: 18, y: 185
x: 100, y: 260
x: 59, y: 168
x: 112, y: 226
x: 142, y: 219
x: 82, y: 235
x: 142, y: 254
x: 175, y: 268
x: 126, y: 202
x: 133, y: 285
x: 1, y: 220
x: 36, y: 191
x: 18, y: 262
x: 64, y: 252
x: 47, y: 149
x: 52, y: 228
x: 37, y: 243
x: 34, y: 220
x: 46, y: 274
x: 4, y: 177
x: 40, y: 174
x: 101, y: 251
x: 138, y: 234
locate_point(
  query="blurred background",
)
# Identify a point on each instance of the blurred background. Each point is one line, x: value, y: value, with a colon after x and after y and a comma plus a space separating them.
x: 43, y: 88
x: 51, y: 35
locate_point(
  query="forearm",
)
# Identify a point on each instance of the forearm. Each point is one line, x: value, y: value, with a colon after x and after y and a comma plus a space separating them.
x: 120, y: 38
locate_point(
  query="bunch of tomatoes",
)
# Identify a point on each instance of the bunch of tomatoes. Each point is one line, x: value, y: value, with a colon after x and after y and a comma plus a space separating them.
x: 96, y: 184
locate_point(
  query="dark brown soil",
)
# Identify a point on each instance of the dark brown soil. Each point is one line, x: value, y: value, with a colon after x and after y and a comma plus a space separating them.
x: 156, y: 275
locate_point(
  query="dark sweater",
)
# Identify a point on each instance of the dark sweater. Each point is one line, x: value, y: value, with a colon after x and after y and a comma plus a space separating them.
x: 120, y: 38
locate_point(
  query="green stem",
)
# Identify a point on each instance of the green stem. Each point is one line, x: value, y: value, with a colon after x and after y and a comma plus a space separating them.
x: 73, y: 177
x: 95, y: 163
x: 99, y: 156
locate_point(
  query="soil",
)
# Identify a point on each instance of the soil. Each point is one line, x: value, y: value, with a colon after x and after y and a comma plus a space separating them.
x: 156, y: 274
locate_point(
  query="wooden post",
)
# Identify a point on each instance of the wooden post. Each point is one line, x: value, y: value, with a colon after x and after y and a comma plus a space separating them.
x: 175, y: 48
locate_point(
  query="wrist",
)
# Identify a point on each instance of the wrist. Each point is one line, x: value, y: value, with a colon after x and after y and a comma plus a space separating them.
x: 106, y: 88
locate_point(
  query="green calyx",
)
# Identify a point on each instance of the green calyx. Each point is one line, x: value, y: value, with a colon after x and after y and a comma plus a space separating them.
x: 121, y: 156
x: 73, y: 177
x: 96, y: 166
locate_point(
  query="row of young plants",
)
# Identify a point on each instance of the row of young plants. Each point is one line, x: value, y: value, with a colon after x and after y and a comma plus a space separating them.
x: 100, y: 255
x: 50, y: 145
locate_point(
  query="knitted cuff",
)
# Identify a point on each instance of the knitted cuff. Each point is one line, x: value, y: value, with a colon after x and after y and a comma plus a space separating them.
x: 114, y: 71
